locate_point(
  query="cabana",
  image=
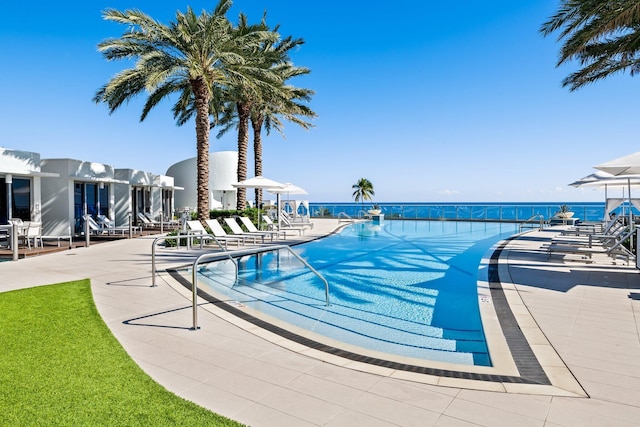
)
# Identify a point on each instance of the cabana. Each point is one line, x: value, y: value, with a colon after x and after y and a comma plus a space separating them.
x: 20, y: 185
x: 80, y: 188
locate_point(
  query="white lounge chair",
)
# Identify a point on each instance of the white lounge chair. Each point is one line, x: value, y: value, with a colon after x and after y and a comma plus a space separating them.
x: 106, y: 224
x: 238, y: 231
x: 94, y: 228
x: 220, y: 234
x: 169, y: 224
x: 273, y: 226
x: 251, y: 228
x: 614, y: 248
x: 146, y: 222
x: 300, y: 220
x: 198, y: 231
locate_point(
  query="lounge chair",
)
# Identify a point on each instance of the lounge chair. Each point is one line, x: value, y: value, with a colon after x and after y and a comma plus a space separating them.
x: 220, y: 234
x: 613, y: 247
x: 146, y: 222
x: 238, y: 231
x: 286, y: 219
x: 273, y: 226
x: 198, y: 231
x: 106, y: 224
x: 610, y: 234
x: 169, y: 224
x: 94, y: 228
x: 251, y: 228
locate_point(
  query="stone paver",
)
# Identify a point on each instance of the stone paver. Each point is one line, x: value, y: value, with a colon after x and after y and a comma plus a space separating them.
x: 589, y: 313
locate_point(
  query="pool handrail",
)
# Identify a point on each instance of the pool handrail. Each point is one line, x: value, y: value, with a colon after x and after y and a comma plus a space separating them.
x: 188, y: 235
x: 532, y: 220
x: 344, y: 215
x: 238, y: 253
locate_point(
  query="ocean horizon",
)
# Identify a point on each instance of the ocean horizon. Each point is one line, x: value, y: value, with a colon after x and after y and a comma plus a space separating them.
x: 473, y: 211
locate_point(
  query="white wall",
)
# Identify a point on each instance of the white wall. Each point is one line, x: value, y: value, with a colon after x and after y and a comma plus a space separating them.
x: 222, y: 173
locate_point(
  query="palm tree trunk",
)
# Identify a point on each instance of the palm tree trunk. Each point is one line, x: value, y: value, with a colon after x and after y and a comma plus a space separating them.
x: 202, y: 97
x: 243, y: 145
x: 256, y: 123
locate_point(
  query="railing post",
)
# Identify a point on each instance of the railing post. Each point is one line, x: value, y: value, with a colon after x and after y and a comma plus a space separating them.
x: 14, y: 241
x: 87, y: 237
x: 194, y: 288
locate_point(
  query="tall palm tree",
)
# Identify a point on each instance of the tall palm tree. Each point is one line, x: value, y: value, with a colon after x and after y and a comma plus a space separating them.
x: 272, y: 99
x: 602, y: 35
x: 286, y: 104
x: 363, y: 190
x: 193, y: 57
x: 255, y: 81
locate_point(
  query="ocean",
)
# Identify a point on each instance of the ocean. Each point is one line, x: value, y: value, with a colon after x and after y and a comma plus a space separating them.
x: 518, y: 212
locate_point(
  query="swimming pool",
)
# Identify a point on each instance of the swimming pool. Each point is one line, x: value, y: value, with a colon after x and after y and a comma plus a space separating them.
x: 405, y: 287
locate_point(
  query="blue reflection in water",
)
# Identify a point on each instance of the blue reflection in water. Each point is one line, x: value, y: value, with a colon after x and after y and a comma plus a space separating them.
x: 401, y: 287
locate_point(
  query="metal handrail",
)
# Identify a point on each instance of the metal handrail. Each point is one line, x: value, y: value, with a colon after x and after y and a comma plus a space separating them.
x: 531, y: 220
x: 181, y: 236
x: 231, y: 255
x: 344, y: 215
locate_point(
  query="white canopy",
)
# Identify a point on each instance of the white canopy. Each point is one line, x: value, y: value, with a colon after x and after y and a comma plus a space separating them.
x: 626, y: 165
x: 288, y: 188
x: 258, y: 182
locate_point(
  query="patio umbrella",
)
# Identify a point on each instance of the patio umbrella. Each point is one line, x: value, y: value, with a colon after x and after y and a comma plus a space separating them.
x: 625, y: 166
x: 288, y: 189
x: 259, y: 182
x: 606, y: 180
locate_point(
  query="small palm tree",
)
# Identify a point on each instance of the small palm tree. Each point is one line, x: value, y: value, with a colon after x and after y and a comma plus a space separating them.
x: 363, y: 190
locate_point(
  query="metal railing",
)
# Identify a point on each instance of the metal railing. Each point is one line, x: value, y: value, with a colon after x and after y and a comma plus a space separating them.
x: 187, y: 236
x: 343, y: 216
x: 531, y: 223
x: 233, y: 254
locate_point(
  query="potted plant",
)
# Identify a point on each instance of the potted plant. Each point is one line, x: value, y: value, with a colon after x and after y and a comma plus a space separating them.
x: 375, y: 210
x: 564, y: 212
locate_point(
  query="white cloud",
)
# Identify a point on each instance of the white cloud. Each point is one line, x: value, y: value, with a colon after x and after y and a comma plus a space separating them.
x: 449, y: 192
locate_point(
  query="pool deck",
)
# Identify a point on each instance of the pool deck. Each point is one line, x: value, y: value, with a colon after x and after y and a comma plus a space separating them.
x: 581, y: 318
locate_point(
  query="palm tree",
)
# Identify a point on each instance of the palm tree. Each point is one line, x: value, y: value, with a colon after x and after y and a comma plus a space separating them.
x: 286, y: 104
x: 258, y: 103
x: 254, y: 81
x: 602, y: 35
x: 363, y: 190
x: 194, y: 57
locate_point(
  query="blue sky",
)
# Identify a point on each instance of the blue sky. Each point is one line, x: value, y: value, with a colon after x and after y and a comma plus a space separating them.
x: 430, y: 101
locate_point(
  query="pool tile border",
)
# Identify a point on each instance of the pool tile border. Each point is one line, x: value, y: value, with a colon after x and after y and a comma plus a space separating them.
x: 532, y: 378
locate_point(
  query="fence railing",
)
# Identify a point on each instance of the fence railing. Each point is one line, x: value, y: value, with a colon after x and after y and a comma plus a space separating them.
x: 515, y: 212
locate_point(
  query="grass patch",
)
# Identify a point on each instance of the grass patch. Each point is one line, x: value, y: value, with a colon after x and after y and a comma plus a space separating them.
x: 60, y: 365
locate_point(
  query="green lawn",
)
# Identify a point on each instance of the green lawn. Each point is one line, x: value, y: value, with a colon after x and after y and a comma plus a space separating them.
x: 60, y: 365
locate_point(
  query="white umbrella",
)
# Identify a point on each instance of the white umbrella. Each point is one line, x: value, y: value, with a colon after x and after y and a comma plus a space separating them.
x: 606, y: 180
x: 626, y: 165
x: 288, y: 188
x: 259, y: 182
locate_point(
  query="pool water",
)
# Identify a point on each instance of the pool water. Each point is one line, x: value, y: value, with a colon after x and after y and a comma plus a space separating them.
x: 401, y: 287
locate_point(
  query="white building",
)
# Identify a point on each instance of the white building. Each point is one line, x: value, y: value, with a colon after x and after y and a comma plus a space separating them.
x: 20, y: 185
x: 81, y: 188
x: 223, y: 166
x: 140, y: 191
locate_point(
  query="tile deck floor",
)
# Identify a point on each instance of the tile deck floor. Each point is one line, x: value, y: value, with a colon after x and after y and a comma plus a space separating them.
x: 589, y: 313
